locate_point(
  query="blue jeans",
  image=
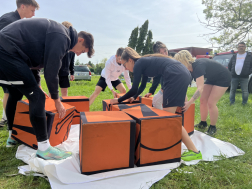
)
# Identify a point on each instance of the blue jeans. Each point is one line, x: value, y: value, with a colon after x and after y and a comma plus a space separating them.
x: 244, y: 87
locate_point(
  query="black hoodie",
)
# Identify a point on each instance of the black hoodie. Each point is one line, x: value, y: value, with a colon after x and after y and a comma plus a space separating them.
x: 40, y: 43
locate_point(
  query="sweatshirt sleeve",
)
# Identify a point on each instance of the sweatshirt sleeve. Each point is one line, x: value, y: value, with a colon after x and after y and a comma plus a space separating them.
x: 134, y: 89
x: 156, y: 81
x: 71, y: 66
x: 108, y: 67
x: 56, y: 46
x: 127, y: 79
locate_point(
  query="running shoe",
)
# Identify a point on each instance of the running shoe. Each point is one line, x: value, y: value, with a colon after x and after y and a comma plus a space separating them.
x: 211, y: 130
x: 201, y: 125
x: 53, y: 154
x: 191, y: 155
x: 3, y: 122
x: 10, y: 143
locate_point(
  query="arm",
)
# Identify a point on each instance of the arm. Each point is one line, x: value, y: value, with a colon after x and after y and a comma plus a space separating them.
x: 56, y: 46
x: 133, y: 90
x: 200, y: 86
x: 156, y: 81
x: 142, y: 86
x: 107, y: 69
x: 71, y: 66
x: 127, y: 79
x: 230, y: 64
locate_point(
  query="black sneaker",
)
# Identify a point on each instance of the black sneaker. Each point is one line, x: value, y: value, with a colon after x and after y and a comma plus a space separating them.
x: 3, y: 122
x: 201, y: 125
x: 211, y: 130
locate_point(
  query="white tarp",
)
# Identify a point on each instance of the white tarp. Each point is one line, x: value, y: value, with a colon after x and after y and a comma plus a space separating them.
x: 65, y: 174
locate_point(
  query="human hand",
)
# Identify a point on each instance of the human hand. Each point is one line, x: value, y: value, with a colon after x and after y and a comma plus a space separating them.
x: 131, y: 99
x: 60, y: 108
x: 114, y: 101
x: 148, y: 95
x: 186, y: 106
x: 114, y: 93
x: 71, y: 77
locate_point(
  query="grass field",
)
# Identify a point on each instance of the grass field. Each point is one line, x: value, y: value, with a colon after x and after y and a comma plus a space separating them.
x: 234, y: 126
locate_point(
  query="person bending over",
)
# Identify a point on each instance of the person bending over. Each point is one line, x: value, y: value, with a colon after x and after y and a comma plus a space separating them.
x: 110, y: 77
x: 176, y: 79
x: 157, y: 100
x: 218, y: 81
x: 25, y: 9
x: 37, y: 43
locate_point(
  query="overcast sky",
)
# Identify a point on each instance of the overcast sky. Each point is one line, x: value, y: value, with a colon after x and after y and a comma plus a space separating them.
x: 111, y: 22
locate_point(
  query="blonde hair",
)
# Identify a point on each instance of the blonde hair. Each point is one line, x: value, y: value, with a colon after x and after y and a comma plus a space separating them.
x: 184, y: 57
x: 67, y: 24
x: 131, y: 53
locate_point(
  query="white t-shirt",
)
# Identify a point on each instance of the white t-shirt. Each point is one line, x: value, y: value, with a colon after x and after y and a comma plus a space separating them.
x: 113, y: 70
x: 239, y: 62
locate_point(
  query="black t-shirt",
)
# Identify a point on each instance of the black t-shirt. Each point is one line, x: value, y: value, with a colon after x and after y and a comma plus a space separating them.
x: 147, y: 67
x: 210, y: 69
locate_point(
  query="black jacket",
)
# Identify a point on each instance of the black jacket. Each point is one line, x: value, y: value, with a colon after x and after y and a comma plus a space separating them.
x: 246, y: 69
x: 8, y: 18
x: 40, y: 43
x: 67, y: 64
x: 155, y: 83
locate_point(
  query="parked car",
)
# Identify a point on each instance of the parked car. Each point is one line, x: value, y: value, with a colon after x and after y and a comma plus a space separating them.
x: 82, y: 73
x: 224, y: 58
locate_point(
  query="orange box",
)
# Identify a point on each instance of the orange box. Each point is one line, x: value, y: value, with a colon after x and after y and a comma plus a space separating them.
x: 57, y: 129
x: 81, y: 104
x: 187, y: 118
x: 146, y: 101
x: 158, y: 134
x: 107, y: 141
x: 108, y: 107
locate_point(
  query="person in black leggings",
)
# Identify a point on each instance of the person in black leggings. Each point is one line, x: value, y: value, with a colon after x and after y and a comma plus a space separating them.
x: 218, y: 80
x: 37, y: 43
x: 176, y: 79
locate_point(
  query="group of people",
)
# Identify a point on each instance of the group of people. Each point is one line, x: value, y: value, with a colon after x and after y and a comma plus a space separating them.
x: 28, y: 45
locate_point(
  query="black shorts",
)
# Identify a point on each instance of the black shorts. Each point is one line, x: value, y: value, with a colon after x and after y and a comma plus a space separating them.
x: 5, y: 89
x: 64, y: 82
x: 224, y: 82
x: 176, y: 80
x: 102, y: 83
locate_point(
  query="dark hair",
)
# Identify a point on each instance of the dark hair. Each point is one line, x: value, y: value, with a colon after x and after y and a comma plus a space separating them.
x: 88, y: 42
x: 27, y: 2
x: 242, y: 43
x: 119, y: 51
x: 157, y: 46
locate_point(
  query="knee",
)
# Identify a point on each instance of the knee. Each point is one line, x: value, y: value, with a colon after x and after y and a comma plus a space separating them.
x: 203, y: 101
x: 36, y: 96
x: 211, y: 105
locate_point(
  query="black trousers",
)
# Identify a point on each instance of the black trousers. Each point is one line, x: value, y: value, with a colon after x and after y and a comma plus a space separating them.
x: 19, y: 80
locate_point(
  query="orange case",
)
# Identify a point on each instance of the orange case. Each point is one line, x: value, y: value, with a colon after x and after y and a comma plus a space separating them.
x: 159, y: 135
x: 146, y: 101
x: 81, y: 104
x: 118, y: 95
x: 57, y: 129
x: 107, y: 141
x: 187, y: 118
x: 108, y: 107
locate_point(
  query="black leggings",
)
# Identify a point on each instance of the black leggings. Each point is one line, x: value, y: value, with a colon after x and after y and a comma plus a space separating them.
x: 36, y: 109
x: 15, y: 69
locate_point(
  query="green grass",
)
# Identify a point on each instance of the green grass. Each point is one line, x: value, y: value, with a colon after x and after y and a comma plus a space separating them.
x: 234, y: 126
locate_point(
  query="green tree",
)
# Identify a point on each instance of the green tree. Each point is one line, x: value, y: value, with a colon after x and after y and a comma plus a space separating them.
x: 90, y: 64
x: 77, y: 62
x: 231, y: 20
x: 142, y: 37
x: 148, y: 44
x: 99, y: 67
x: 133, y: 38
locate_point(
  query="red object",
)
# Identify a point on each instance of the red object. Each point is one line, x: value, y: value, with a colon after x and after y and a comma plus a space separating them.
x: 193, y: 50
x: 89, y: 73
x: 203, y: 56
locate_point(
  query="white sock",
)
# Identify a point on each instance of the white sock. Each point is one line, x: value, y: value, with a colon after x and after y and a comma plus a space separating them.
x: 4, y: 115
x: 44, y: 145
x: 10, y: 132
